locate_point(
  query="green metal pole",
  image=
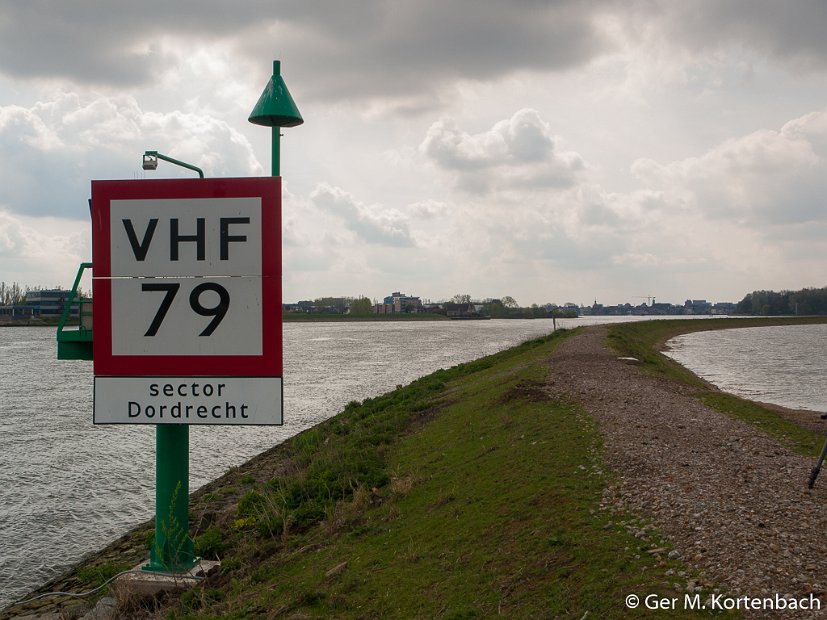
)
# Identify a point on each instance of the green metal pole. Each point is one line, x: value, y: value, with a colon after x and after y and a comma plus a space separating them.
x: 276, y: 159
x: 275, y: 162
x: 172, y: 550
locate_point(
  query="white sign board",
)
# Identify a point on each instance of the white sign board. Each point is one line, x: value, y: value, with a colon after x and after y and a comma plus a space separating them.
x: 188, y: 400
x: 180, y: 242
x: 187, y: 289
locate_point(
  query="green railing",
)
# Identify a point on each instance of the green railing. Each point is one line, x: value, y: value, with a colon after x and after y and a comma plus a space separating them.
x: 74, y: 333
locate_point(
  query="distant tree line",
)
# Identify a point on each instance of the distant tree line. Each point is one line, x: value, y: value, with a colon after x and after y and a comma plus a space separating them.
x: 807, y: 301
x: 12, y: 294
x: 338, y: 305
x: 508, y: 308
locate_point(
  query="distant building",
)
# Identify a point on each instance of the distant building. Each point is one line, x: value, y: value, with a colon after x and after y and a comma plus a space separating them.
x: 398, y: 302
x: 469, y: 310
x: 49, y: 302
x: 724, y: 307
x: 697, y: 306
x: 302, y: 307
x: 17, y: 312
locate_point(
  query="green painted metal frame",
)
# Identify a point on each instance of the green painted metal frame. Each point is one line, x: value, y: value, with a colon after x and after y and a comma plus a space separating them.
x: 75, y: 344
x: 177, y: 162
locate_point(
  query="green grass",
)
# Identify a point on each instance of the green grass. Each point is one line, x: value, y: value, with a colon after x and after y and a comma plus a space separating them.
x: 93, y: 576
x: 470, y: 493
x: 644, y: 340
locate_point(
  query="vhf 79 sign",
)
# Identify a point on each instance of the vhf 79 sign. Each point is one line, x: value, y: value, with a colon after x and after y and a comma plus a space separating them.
x: 187, y: 301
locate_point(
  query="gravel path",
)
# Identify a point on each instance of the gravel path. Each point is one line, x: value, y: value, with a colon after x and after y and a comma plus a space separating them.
x: 732, y: 501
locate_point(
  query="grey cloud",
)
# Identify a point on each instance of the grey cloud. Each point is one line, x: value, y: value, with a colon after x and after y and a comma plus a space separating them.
x: 402, y: 52
x: 405, y: 48
x: 115, y: 44
x: 387, y: 227
x: 788, y: 31
x: 352, y: 50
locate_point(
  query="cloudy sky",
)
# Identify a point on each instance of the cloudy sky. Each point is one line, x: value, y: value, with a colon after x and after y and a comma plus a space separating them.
x: 554, y: 151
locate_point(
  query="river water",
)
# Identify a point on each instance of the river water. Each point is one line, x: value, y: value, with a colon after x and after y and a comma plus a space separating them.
x: 68, y: 487
x: 784, y: 365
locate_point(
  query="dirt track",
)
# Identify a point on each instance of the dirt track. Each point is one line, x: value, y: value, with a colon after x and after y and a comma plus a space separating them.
x: 733, y: 502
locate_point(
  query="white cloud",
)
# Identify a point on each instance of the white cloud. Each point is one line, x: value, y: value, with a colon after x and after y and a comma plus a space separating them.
x: 516, y: 153
x: 370, y: 223
x: 768, y: 177
x: 56, y: 147
x: 42, y: 251
x: 429, y: 209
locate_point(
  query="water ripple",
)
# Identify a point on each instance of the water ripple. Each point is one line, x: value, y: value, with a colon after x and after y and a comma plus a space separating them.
x: 784, y: 365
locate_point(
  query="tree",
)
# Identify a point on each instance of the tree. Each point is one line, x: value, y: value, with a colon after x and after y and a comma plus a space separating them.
x: 495, y: 309
x: 331, y: 304
x: 461, y: 298
x: 11, y: 294
x: 510, y: 302
x: 767, y: 303
x: 361, y: 306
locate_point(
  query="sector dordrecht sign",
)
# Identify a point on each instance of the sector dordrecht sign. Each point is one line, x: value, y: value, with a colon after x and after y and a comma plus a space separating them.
x: 187, y: 301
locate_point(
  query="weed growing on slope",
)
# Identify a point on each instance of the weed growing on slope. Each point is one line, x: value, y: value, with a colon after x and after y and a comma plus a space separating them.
x: 347, y: 454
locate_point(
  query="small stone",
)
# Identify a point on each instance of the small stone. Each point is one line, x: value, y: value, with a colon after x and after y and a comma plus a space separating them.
x: 336, y: 570
x: 104, y: 610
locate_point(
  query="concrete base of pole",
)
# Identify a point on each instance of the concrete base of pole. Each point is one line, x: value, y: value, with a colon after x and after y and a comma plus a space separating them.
x: 150, y: 583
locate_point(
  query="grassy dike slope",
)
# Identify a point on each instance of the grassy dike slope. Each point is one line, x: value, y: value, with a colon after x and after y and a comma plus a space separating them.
x: 468, y: 494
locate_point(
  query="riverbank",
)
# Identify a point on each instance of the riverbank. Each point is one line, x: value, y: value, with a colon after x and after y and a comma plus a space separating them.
x: 482, y: 490
x: 301, y: 317
x: 30, y: 322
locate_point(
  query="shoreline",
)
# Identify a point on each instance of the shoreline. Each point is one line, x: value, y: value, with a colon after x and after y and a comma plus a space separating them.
x: 216, y: 499
x: 29, y: 322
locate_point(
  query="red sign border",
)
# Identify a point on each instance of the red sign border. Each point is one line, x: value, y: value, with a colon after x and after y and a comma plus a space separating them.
x: 269, y: 363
